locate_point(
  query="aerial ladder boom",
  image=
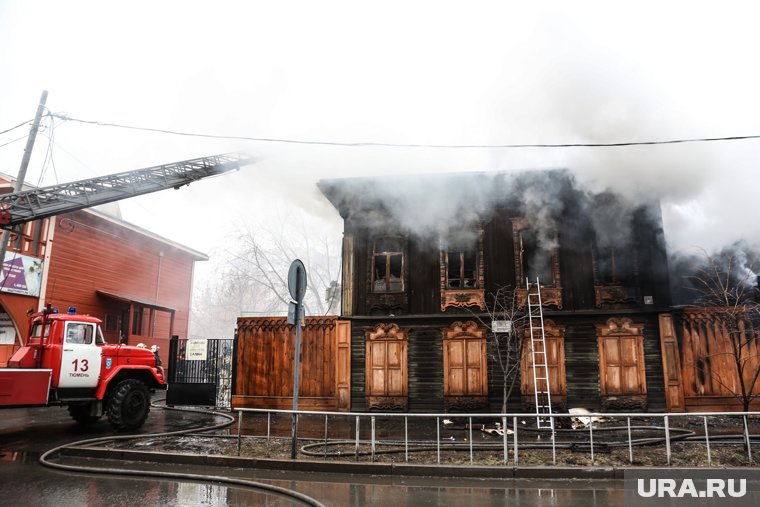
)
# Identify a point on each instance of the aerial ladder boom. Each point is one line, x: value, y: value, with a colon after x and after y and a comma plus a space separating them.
x: 21, y: 207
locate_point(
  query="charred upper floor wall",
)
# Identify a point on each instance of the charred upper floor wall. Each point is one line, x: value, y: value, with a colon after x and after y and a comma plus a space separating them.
x: 440, y: 244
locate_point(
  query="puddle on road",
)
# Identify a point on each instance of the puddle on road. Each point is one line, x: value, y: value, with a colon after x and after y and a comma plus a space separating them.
x: 20, y: 456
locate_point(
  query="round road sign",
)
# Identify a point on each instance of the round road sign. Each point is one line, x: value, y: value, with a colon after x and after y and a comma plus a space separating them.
x: 297, y: 280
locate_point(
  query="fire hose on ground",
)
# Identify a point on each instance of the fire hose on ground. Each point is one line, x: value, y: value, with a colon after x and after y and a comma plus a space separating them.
x: 676, y: 434
x: 255, y: 485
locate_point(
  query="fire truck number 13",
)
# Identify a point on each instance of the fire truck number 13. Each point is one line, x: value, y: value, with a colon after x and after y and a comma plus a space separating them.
x: 83, y: 362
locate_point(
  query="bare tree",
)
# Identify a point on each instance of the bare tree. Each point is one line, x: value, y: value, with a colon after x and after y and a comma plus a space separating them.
x: 252, y: 277
x: 505, y: 344
x: 726, y: 287
x: 263, y: 257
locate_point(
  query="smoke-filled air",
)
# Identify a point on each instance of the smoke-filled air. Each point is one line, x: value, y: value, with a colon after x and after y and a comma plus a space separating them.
x: 468, y: 78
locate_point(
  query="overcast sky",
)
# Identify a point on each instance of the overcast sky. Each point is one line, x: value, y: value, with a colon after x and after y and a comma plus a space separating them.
x: 396, y: 72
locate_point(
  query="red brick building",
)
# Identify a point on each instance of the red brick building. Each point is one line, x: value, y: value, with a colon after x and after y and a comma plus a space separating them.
x: 137, y: 282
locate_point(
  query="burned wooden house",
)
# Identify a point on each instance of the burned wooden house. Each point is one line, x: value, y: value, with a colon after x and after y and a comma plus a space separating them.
x: 422, y: 256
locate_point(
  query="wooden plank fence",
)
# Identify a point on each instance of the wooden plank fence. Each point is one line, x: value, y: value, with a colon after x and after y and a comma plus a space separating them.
x: 265, y: 358
x: 700, y: 365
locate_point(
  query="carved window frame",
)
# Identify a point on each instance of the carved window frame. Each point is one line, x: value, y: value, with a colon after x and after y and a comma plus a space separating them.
x: 463, y: 297
x: 466, y: 333
x: 520, y: 224
x: 551, y: 295
x: 621, y: 329
x: 386, y: 333
x: 555, y: 334
x: 371, y: 262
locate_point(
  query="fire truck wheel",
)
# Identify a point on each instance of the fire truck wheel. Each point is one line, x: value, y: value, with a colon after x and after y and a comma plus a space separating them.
x: 128, y: 405
x: 81, y: 414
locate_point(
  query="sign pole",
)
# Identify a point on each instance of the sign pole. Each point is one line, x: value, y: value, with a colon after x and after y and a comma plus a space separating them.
x: 296, y: 383
x: 297, y: 288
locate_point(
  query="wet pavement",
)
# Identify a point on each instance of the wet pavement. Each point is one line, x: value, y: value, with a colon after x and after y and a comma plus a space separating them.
x: 27, y: 483
x: 26, y: 433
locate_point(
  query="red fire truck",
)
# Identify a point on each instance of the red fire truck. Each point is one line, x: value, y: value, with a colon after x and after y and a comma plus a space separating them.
x: 66, y: 361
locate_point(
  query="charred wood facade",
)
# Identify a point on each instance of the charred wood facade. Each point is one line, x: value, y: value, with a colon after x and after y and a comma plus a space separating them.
x: 702, y: 357
x: 603, y: 271
x: 395, y: 270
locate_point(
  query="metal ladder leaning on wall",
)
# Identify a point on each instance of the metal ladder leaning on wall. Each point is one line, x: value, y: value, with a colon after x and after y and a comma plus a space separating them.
x: 541, y: 391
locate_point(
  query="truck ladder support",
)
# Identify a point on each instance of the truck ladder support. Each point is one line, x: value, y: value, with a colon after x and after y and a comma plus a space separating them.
x: 21, y: 207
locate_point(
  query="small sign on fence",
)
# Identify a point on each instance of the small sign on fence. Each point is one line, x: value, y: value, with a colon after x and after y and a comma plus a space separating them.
x: 196, y: 350
x: 501, y: 326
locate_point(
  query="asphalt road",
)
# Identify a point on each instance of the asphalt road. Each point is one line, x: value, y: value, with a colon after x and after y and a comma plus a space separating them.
x: 27, y: 433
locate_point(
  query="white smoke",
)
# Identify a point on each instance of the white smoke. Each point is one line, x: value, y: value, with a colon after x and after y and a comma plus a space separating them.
x: 494, y: 73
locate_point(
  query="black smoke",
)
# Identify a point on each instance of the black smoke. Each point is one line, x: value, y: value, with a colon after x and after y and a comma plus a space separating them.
x: 700, y: 277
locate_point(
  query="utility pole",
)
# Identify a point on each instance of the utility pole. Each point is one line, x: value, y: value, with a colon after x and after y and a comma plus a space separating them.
x: 22, y: 173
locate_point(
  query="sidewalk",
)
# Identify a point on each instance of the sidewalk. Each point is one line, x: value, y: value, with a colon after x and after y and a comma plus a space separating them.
x: 376, y: 469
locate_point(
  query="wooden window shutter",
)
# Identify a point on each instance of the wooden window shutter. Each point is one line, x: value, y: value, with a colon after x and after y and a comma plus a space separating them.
x: 386, y: 368
x: 555, y: 359
x: 622, y: 376
x: 465, y: 366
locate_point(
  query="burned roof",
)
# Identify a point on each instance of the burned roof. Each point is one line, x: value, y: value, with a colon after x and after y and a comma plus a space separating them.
x: 481, y: 190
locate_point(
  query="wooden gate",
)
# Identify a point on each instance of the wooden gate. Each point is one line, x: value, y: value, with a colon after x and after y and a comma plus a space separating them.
x: 265, y: 358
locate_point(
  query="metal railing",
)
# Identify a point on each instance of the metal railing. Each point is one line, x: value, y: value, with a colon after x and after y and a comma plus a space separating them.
x: 513, y: 427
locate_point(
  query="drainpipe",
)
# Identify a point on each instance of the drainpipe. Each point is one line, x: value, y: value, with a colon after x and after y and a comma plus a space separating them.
x: 158, y: 286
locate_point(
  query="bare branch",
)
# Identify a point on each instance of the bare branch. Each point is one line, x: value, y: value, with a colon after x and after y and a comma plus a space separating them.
x: 726, y: 284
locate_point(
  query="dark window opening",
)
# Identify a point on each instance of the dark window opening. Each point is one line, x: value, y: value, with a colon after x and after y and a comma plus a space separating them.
x: 36, y: 237
x: 536, y: 259
x: 111, y: 323
x: 388, y: 265
x: 462, y: 267
x: 614, y: 266
x: 137, y: 321
x: 124, y: 330
x: 16, y: 236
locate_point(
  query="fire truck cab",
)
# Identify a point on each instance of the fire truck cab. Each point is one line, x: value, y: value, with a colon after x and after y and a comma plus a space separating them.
x: 66, y: 361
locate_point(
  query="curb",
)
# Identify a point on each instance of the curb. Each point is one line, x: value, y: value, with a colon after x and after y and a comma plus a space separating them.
x: 380, y: 469
x: 387, y: 469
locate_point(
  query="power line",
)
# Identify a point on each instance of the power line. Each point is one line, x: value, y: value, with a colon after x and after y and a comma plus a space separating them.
x: 18, y: 138
x: 413, y: 145
x: 49, y: 161
x: 17, y: 126
x: 11, y: 142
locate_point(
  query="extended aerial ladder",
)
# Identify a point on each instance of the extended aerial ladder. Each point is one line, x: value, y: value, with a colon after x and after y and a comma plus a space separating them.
x: 21, y: 207
x: 61, y: 365
x: 541, y: 387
